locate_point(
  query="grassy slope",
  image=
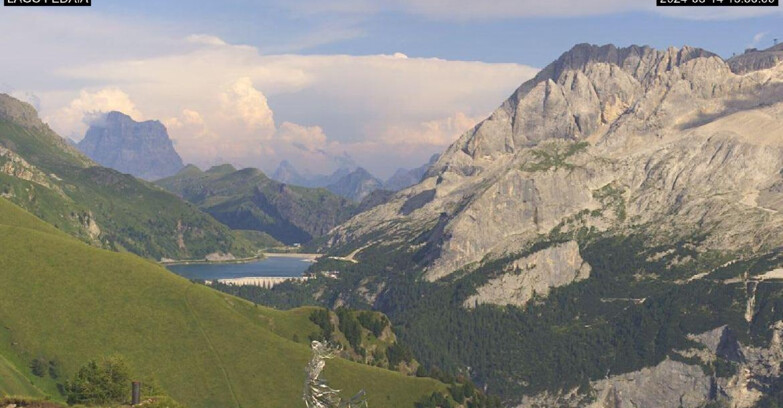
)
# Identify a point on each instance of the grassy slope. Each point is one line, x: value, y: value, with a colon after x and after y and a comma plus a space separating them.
x: 64, y: 299
x: 133, y: 215
x: 13, y: 382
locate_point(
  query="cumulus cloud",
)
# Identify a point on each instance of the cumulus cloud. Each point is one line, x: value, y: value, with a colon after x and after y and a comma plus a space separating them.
x: 72, y: 120
x: 242, y: 101
x: 306, y: 138
x: 439, y: 132
x: 243, y: 132
x: 205, y: 39
x: 231, y: 102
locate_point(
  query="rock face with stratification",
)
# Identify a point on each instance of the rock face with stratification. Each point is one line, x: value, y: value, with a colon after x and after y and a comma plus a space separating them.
x: 755, y: 60
x: 610, y: 137
x: 533, y: 275
x: 142, y: 149
x: 575, y: 180
x: 678, y: 384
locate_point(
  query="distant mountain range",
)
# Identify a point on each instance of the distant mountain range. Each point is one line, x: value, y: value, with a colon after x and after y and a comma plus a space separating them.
x: 142, y: 149
x: 404, y: 178
x: 249, y: 200
x: 353, y: 183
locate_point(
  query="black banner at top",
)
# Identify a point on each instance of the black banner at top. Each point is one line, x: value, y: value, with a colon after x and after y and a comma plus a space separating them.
x: 47, y: 3
x: 717, y: 3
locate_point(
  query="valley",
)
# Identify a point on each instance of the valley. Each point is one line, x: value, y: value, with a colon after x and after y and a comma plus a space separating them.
x: 569, y: 249
x: 609, y: 235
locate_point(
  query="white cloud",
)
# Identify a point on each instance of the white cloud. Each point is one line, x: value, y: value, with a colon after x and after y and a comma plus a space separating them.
x: 223, y: 101
x: 757, y: 39
x: 439, y: 132
x: 72, y: 120
x: 231, y: 102
x: 244, y: 102
x: 307, y: 138
x: 205, y: 39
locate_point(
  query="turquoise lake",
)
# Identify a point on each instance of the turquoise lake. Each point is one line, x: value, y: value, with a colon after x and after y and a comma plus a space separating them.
x: 269, y: 267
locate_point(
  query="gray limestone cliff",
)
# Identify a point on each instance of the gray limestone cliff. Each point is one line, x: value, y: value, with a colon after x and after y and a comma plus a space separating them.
x: 606, y: 138
x: 532, y: 276
x: 689, y: 385
x: 142, y: 149
x: 755, y: 60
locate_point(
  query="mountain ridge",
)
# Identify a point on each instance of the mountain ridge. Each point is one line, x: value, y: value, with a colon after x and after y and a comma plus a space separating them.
x: 42, y: 173
x: 625, y: 185
x: 247, y: 199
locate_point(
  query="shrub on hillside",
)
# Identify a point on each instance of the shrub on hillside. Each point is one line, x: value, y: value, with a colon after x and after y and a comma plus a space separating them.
x: 103, y: 382
x: 39, y: 367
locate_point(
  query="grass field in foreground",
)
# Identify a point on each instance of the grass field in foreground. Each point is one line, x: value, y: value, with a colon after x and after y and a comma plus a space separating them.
x: 64, y: 299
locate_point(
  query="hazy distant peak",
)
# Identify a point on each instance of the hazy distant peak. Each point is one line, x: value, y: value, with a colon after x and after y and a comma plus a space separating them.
x: 142, y: 149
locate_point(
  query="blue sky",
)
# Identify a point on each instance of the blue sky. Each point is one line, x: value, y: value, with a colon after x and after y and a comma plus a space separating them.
x: 528, y: 40
x: 387, y: 82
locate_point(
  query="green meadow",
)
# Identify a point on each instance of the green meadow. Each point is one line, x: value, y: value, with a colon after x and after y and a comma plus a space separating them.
x: 63, y: 300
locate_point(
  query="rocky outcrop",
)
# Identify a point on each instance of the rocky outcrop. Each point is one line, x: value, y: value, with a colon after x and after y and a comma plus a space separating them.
x: 142, y: 149
x: 756, y: 60
x: 15, y: 166
x: 22, y: 114
x: 669, y: 384
x: 677, y: 384
x: 532, y: 276
x: 604, y: 138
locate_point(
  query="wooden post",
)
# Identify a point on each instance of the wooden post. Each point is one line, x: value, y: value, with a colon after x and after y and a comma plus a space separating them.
x: 136, y: 393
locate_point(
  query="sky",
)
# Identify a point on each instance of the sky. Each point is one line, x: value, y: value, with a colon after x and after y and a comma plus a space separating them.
x: 383, y: 84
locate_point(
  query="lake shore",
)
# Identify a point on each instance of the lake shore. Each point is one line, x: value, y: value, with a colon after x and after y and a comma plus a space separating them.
x: 170, y: 262
x: 291, y: 255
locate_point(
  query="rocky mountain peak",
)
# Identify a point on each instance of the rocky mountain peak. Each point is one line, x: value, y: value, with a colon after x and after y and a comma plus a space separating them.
x: 21, y: 113
x: 755, y: 60
x: 582, y: 95
x: 639, y: 61
x: 287, y: 173
x: 637, y: 124
x: 355, y: 185
x: 142, y: 149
